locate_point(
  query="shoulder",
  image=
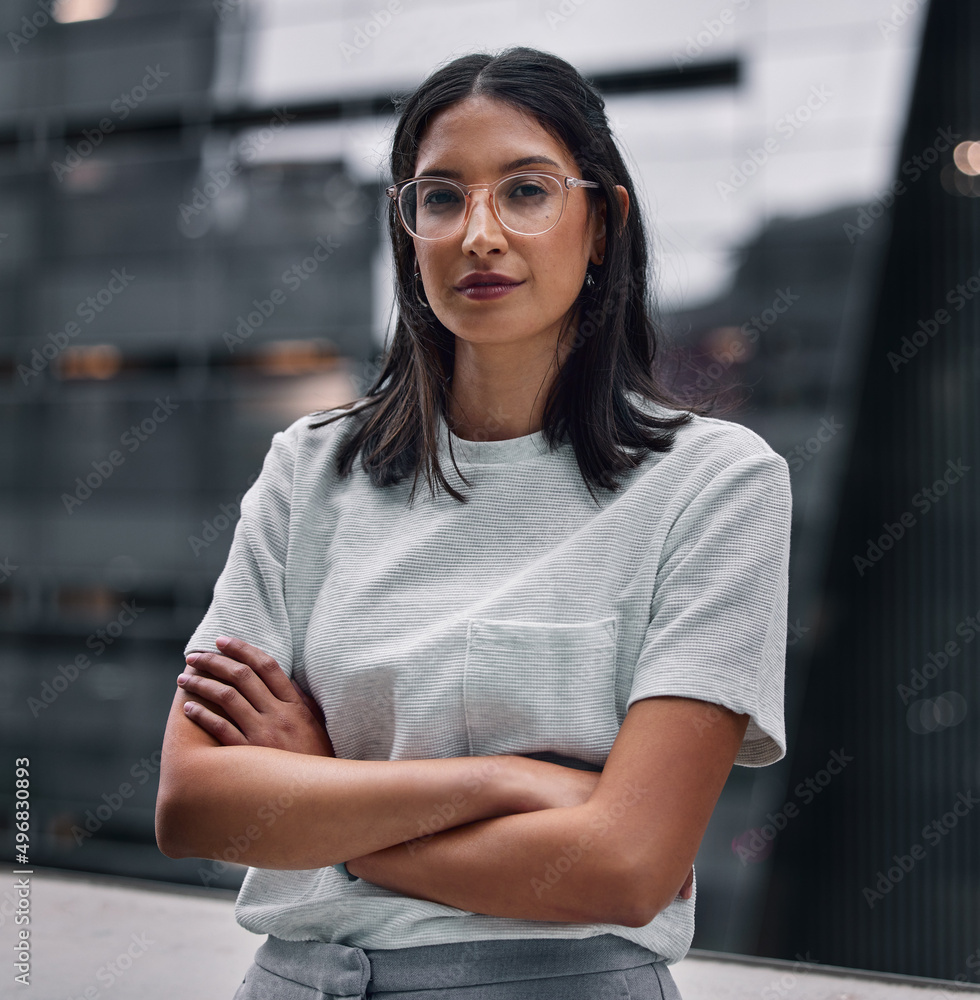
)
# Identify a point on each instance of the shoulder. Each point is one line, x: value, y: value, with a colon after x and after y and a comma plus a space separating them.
x: 318, y: 434
x: 712, y: 459
x: 707, y: 446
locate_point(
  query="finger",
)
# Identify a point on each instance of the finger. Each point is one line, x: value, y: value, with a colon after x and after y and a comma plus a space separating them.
x: 237, y: 675
x: 222, y: 730
x: 265, y: 666
x: 224, y: 696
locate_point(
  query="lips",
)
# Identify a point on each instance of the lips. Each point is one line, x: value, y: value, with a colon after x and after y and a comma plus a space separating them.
x: 486, y: 278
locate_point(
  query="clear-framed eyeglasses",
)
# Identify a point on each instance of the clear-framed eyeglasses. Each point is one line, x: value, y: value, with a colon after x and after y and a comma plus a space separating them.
x: 526, y: 204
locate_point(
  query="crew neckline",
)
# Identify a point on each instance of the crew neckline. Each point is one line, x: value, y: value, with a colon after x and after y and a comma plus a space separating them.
x: 490, y: 452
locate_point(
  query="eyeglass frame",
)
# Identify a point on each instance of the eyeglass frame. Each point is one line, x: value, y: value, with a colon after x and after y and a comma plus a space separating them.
x: 394, y: 191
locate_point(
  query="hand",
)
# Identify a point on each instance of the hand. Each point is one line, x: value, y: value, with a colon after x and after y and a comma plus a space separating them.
x: 263, y: 706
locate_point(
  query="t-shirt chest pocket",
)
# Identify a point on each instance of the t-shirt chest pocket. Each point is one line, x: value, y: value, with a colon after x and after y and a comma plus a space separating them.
x: 533, y: 686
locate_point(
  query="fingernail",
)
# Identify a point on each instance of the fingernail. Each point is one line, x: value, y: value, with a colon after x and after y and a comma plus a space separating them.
x: 191, y: 657
x: 221, y: 641
x: 183, y: 678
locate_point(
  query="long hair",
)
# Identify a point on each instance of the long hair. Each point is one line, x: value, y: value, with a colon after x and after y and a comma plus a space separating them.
x: 615, y: 339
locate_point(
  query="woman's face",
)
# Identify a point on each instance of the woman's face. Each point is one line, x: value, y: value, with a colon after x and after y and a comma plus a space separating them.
x: 477, y: 141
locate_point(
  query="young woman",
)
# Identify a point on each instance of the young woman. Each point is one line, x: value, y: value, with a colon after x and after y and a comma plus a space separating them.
x: 469, y: 743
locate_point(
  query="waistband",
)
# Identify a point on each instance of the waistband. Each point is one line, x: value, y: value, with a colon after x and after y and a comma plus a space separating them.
x: 345, y: 971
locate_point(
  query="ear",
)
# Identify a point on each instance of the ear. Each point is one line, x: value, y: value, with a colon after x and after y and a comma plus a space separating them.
x: 599, y: 243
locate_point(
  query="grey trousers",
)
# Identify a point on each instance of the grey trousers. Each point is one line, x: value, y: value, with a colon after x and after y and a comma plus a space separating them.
x: 597, y: 968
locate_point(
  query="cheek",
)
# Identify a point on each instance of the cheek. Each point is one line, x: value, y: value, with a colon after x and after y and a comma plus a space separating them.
x: 562, y: 269
x: 431, y: 266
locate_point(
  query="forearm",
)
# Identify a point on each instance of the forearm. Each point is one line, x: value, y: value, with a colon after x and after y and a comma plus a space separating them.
x: 552, y: 864
x: 285, y: 810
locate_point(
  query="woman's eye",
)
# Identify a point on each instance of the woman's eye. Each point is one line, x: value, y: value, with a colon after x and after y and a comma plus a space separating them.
x: 443, y: 196
x: 527, y: 189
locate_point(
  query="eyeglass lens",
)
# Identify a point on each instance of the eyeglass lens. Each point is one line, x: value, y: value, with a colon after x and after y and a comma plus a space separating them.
x: 528, y: 204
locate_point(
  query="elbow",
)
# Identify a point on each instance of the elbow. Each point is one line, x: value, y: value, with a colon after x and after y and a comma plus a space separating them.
x: 623, y: 899
x: 651, y: 902
x: 171, y: 831
x: 176, y: 818
x: 637, y: 912
x: 632, y: 898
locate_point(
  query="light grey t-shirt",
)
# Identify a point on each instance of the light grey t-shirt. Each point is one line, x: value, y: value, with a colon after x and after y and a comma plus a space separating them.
x: 526, y: 621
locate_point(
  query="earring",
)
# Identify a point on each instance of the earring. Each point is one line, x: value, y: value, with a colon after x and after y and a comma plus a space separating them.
x: 590, y: 276
x: 421, y: 301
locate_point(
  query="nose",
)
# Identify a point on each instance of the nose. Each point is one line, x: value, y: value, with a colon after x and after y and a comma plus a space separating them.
x: 482, y: 233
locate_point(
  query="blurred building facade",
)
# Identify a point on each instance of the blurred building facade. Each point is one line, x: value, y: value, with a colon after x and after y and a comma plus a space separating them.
x: 887, y: 873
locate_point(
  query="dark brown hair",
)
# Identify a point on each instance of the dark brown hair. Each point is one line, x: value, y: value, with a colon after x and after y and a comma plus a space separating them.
x: 615, y: 338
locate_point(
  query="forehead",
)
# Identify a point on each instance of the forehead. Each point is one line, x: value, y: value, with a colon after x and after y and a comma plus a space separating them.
x: 485, y: 134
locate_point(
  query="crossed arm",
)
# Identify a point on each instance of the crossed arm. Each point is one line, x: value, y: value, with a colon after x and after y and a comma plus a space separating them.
x: 522, y: 838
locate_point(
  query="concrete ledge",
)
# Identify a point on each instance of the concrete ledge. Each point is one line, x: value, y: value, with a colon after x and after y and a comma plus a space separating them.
x: 98, y: 936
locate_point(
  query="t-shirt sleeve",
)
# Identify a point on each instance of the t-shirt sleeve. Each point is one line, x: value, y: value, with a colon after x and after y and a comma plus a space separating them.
x: 249, y: 597
x: 717, y: 628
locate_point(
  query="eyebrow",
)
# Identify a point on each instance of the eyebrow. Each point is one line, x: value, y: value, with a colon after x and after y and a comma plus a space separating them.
x: 524, y: 161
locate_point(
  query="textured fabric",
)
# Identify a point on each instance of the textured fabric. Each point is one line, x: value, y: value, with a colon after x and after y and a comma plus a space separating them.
x: 526, y: 621
x: 602, y: 968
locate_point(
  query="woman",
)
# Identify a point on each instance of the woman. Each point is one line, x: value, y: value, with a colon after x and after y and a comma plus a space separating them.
x: 471, y: 743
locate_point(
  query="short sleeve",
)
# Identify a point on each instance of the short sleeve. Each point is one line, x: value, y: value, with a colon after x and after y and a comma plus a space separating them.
x: 249, y: 597
x: 717, y: 628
